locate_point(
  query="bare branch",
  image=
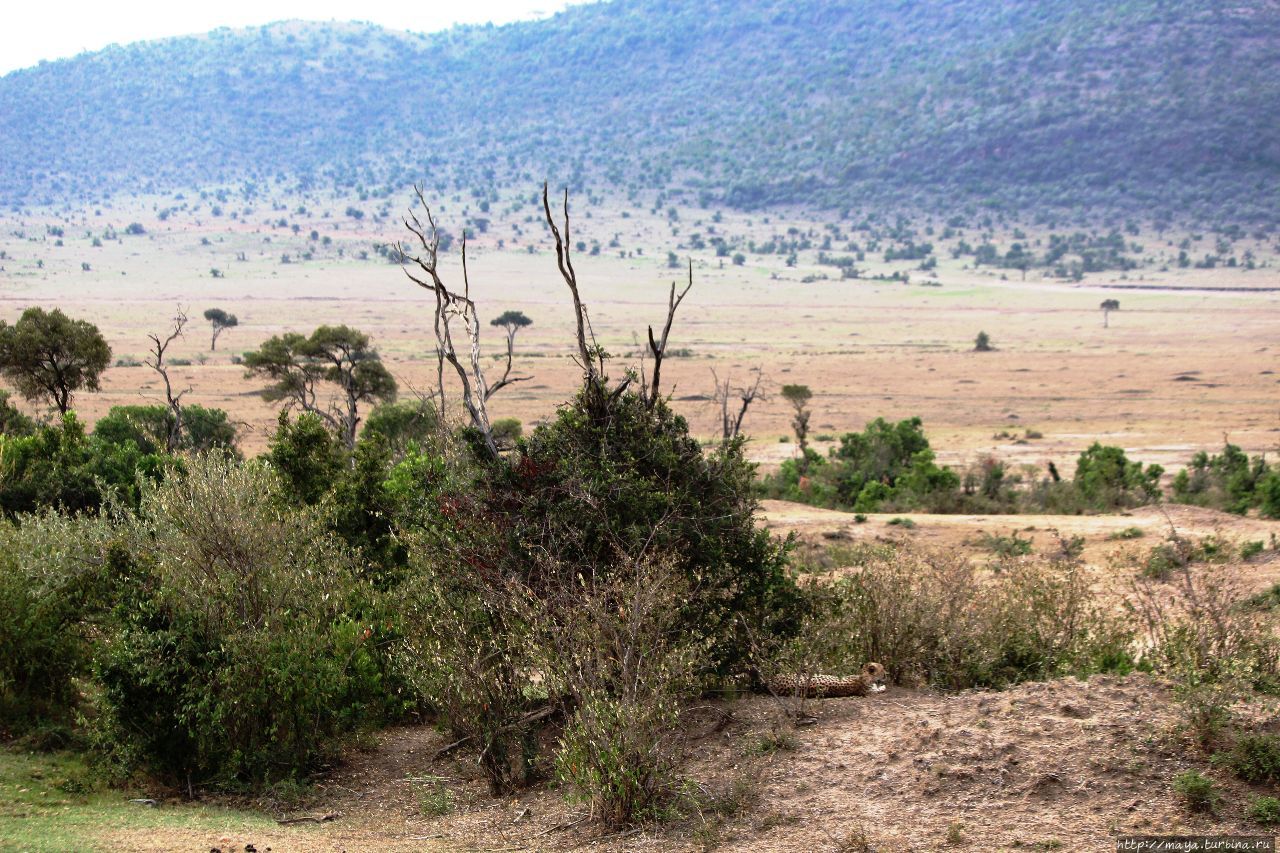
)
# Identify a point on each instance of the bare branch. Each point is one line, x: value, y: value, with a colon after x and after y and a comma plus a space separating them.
x: 156, y: 362
x: 659, y: 347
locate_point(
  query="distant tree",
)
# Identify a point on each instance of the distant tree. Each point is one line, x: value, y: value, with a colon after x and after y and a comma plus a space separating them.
x: 799, y: 396
x: 1107, y: 306
x: 297, y: 364
x: 221, y: 321
x: 49, y: 356
x: 135, y: 229
x: 511, y: 322
x: 982, y: 343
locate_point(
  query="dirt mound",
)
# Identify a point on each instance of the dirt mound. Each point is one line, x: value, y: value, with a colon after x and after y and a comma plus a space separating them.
x: 1060, y: 765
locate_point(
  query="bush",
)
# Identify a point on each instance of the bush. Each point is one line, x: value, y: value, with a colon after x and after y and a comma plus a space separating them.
x: 1264, y: 811
x: 617, y: 652
x: 12, y: 421
x: 237, y: 656
x: 307, y: 456
x: 1107, y: 479
x: 1256, y: 758
x: 50, y: 587
x: 1197, y: 791
x: 148, y: 427
x: 59, y: 467
x: 929, y: 617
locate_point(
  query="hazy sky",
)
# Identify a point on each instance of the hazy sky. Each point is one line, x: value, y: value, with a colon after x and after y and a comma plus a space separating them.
x: 32, y: 30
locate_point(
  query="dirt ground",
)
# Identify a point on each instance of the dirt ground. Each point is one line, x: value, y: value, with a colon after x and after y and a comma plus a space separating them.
x: 1064, y: 765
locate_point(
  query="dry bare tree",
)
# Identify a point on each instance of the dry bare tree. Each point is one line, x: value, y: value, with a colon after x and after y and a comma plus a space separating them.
x: 457, y: 311
x: 454, y: 307
x: 155, y: 360
x: 731, y: 423
x: 658, y: 346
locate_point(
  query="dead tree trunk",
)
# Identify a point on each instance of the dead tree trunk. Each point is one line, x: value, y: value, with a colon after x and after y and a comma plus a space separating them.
x: 156, y: 362
x: 451, y: 307
x: 658, y: 347
x: 730, y: 423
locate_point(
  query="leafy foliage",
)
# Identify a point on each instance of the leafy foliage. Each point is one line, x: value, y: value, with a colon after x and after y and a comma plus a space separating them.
x: 48, y: 356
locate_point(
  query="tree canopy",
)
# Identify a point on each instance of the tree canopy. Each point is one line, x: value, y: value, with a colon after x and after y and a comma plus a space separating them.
x: 48, y: 356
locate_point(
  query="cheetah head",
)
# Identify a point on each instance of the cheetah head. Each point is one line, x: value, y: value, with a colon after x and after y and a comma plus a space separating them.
x: 873, y: 675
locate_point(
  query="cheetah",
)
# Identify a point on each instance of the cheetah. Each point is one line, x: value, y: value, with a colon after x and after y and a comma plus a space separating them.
x: 869, y: 681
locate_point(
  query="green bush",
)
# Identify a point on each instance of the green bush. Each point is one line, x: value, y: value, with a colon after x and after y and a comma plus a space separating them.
x: 1256, y: 758
x: 307, y: 456
x: 1107, y: 479
x: 1229, y: 481
x: 1264, y: 811
x: 237, y: 655
x: 1197, y: 791
x: 50, y: 588
x: 59, y: 467
x: 148, y: 427
x: 12, y: 421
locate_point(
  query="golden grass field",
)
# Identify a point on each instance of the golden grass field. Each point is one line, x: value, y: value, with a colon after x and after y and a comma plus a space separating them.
x: 1177, y: 370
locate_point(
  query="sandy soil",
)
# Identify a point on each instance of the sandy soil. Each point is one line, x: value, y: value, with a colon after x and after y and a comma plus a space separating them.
x: 1064, y: 765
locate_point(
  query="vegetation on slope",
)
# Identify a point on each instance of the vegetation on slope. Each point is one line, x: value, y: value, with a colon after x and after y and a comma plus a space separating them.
x: 1147, y: 104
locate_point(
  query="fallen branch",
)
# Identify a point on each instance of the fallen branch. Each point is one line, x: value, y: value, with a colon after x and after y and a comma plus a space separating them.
x: 325, y: 818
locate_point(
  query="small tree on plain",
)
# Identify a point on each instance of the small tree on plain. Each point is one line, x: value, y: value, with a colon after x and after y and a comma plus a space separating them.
x: 221, y: 321
x: 49, y: 356
x: 1107, y: 306
x: 982, y: 343
x: 799, y: 396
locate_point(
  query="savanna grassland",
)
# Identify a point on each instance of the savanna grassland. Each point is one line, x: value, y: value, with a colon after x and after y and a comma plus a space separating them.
x: 1188, y: 357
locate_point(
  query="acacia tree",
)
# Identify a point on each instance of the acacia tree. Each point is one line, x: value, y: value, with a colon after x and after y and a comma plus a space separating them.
x: 155, y: 360
x: 338, y: 355
x: 48, y: 356
x: 799, y: 396
x: 221, y: 321
x: 512, y: 322
x: 1107, y: 306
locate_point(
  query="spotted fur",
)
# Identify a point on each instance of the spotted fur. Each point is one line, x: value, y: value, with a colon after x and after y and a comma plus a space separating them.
x: 870, y: 680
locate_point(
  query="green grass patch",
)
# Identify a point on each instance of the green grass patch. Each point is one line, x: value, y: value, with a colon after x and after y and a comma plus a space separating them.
x: 52, y: 802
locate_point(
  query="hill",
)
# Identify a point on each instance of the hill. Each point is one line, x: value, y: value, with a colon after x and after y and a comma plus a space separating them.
x: 1149, y: 106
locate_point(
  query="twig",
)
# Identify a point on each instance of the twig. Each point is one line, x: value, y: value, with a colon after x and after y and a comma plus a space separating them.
x: 309, y: 819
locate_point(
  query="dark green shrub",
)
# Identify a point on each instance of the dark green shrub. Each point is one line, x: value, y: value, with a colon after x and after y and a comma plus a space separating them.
x: 307, y: 456
x: 236, y: 656
x: 12, y: 421
x: 1197, y: 791
x: 148, y: 427
x: 1106, y: 478
x: 591, y: 486
x: 1228, y: 481
x: 59, y: 467
x: 1249, y: 550
x: 403, y: 426
x: 507, y: 431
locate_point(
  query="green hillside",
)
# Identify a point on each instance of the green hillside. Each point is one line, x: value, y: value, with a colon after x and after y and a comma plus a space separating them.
x: 1149, y: 106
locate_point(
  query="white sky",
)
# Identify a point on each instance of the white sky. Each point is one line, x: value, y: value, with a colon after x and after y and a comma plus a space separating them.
x: 32, y: 30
